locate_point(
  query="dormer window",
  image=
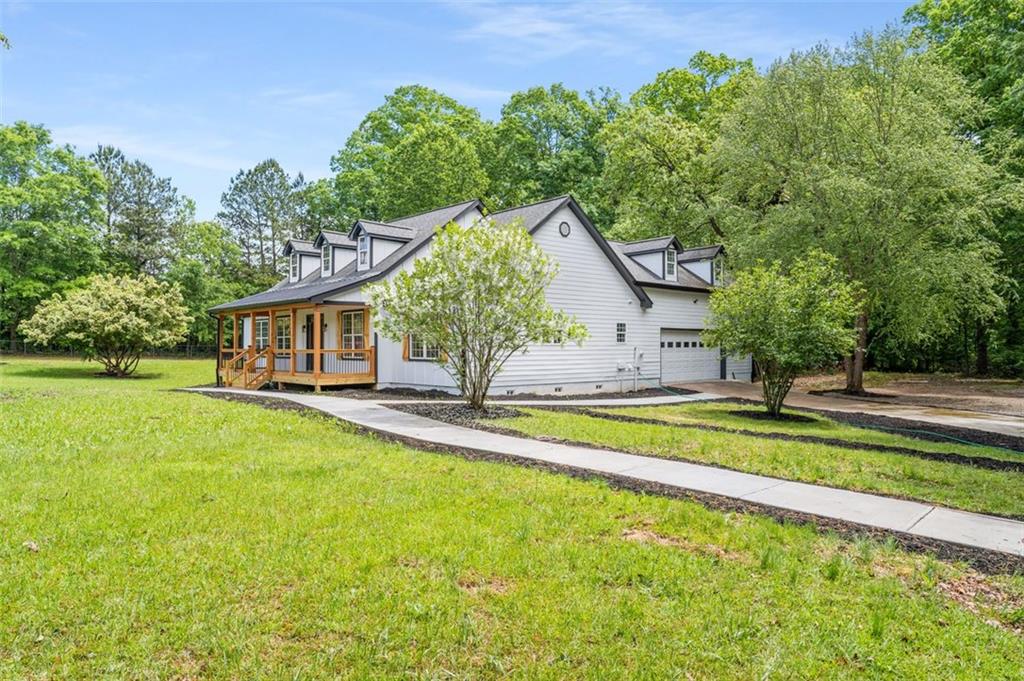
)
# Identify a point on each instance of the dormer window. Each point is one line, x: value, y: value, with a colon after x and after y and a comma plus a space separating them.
x: 670, y: 263
x: 293, y: 271
x: 325, y: 260
x: 363, y: 249
x: 718, y: 271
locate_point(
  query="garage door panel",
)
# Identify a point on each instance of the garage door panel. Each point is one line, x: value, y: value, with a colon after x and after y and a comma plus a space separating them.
x: 684, y: 357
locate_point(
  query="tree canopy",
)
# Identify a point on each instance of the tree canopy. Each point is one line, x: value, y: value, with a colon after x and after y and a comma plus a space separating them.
x: 50, y: 211
x: 858, y: 152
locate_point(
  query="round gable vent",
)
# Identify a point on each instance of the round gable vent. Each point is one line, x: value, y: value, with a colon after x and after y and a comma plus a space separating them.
x: 564, y: 229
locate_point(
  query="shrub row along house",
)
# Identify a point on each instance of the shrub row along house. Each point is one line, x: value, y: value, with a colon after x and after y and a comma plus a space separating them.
x: 644, y: 304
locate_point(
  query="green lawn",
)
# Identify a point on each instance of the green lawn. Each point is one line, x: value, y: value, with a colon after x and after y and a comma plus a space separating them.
x: 724, y: 414
x: 181, y: 536
x: 950, y: 484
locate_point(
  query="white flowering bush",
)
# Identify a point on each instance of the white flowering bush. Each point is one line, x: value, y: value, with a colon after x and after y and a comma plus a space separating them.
x: 112, y: 320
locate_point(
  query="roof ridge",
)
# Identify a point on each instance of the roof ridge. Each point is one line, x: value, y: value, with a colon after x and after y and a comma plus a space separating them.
x: 388, y: 224
x: 431, y: 210
x: 696, y: 248
x: 535, y: 203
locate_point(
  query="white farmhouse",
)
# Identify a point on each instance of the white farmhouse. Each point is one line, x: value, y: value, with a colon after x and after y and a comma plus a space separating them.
x: 644, y: 304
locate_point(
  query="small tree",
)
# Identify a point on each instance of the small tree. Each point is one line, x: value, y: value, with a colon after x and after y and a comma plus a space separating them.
x: 112, y: 320
x: 789, y: 323
x: 479, y: 298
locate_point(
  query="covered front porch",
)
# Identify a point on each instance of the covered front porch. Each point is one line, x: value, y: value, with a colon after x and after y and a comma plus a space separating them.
x: 314, y: 344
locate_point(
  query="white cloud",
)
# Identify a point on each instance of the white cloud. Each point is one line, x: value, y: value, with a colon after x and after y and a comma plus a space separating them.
x: 461, y: 90
x: 524, y: 34
x: 208, y: 154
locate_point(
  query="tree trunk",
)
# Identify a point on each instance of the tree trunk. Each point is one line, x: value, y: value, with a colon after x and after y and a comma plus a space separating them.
x: 981, y: 349
x: 855, y: 362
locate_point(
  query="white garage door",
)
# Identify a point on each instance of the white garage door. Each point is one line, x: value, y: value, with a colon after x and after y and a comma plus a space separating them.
x: 684, y: 358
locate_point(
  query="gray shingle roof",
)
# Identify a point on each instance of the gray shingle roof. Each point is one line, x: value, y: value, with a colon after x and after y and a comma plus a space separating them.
x: 658, y: 243
x: 334, y: 239
x: 701, y: 253
x: 384, y: 230
x: 315, y: 288
x: 532, y: 215
x: 300, y: 246
x: 685, y: 280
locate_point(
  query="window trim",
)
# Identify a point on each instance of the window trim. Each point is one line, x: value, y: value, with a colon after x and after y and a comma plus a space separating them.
x: 670, y: 260
x: 620, y: 332
x: 263, y: 322
x: 363, y: 250
x: 347, y: 340
x: 293, y: 271
x: 287, y: 336
x: 326, y: 256
x: 423, y: 356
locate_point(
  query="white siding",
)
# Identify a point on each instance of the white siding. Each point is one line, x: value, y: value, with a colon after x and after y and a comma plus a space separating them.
x: 308, y: 264
x: 382, y: 248
x: 702, y: 268
x: 343, y: 257
x: 655, y: 262
x: 739, y: 369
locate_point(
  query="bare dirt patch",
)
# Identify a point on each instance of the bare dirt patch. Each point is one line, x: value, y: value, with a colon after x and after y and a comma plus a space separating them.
x: 952, y: 391
x: 978, y: 594
x: 645, y: 536
x: 474, y: 584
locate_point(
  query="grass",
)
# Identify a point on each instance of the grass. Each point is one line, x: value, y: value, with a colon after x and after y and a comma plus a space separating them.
x: 156, y: 534
x: 950, y: 484
x: 730, y: 415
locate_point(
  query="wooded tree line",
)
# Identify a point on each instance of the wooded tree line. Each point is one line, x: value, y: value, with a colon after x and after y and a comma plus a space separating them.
x: 901, y: 155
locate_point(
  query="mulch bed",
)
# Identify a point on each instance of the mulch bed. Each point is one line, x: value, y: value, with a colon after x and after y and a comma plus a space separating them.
x: 963, y: 459
x: 765, y: 416
x: 989, y: 562
x: 412, y: 394
x: 458, y: 414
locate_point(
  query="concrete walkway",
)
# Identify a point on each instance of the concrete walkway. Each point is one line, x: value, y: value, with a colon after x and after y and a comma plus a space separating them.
x: 914, y: 518
x: 959, y: 418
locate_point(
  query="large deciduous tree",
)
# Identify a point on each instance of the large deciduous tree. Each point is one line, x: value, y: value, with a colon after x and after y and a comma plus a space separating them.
x: 789, y: 322
x: 860, y: 152
x: 49, y: 217
x: 546, y: 145
x: 432, y: 166
x: 659, y: 176
x: 112, y: 320
x: 479, y: 299
x: 142, y: 212
x: 363, y: 165
x: 982, y: 40
x: 262, y: 208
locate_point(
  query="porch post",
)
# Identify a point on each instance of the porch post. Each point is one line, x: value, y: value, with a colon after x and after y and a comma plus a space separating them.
x: 316, y: 346
x: 235, y: 334
x: 293, y: 344
x: 252, y: 333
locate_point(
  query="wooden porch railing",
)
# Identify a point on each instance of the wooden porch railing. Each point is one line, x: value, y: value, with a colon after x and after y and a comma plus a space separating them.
x: 232, y: 367
x: 258, y: 369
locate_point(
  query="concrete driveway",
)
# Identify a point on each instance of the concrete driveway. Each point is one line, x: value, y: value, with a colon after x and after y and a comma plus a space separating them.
x: 960, y: 418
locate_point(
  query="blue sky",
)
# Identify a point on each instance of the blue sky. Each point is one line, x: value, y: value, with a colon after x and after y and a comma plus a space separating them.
x: 201, y: 90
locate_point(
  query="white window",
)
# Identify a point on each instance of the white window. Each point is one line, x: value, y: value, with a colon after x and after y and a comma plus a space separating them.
x: 325, y: 259
x: 262, y: 332
x: 620, y: 332
x: 352, y: 337
x: 670, y: 263
x: 363, y: 248
x: 294, y: 272
x: 283, y: 332
x: 718, y: 271
x: 418, y: 349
